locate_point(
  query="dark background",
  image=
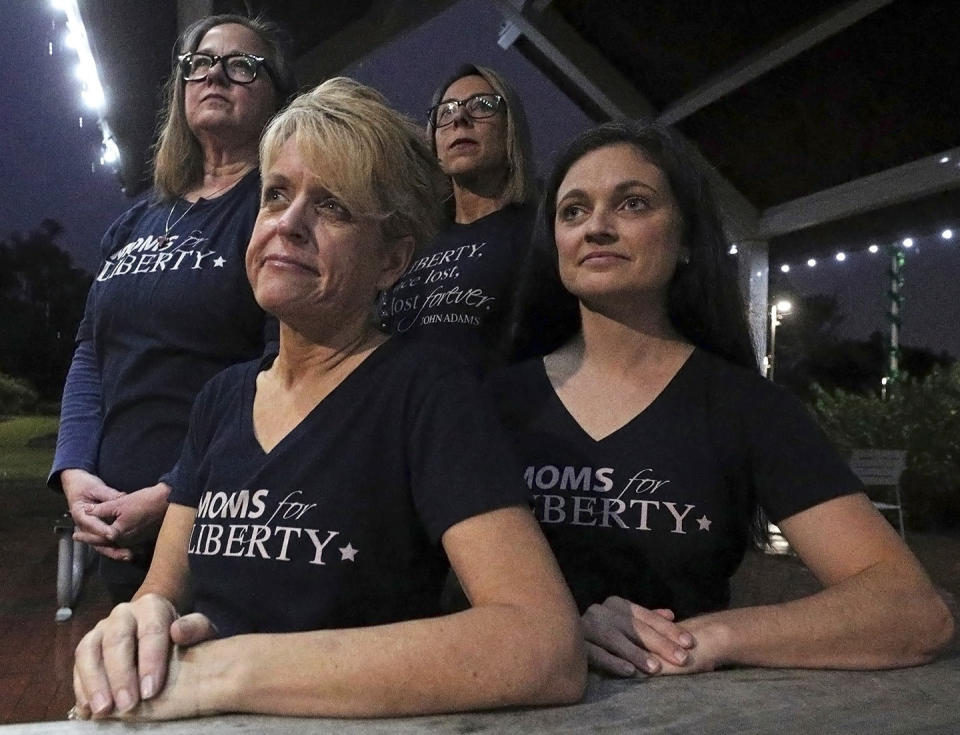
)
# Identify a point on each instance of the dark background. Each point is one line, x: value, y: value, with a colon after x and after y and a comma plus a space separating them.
x: 49, y: 164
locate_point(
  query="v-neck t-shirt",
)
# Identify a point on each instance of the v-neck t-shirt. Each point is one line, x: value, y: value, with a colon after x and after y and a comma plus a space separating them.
x: 657, y: 511
x: 339, y: 524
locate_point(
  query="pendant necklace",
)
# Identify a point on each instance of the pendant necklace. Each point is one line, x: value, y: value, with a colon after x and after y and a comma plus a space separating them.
x: 167, y: 227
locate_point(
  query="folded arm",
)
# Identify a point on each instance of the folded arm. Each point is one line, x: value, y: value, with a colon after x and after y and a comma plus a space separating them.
x: 518, y: 644
x: 878, y: 608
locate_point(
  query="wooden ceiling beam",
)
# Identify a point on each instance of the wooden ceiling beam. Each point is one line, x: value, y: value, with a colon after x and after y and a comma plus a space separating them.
x: 910, y: 181
x: 769, y: 57
x: 582, y: 66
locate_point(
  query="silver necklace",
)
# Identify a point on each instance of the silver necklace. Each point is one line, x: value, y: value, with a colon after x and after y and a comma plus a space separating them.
x: 167, y: 227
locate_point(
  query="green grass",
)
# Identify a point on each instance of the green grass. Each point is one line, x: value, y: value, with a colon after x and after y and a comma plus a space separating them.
x: 17, y: 460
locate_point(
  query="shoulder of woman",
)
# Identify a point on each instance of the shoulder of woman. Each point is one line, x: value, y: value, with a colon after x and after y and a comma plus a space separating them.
x: 424, y: 360
x: 739, y: 388
x: 122, y: 226
x: 510, y: 389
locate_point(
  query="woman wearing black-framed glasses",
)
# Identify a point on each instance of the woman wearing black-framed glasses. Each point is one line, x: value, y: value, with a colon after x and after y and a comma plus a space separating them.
x: 170, y: 305
x: 457, y: 289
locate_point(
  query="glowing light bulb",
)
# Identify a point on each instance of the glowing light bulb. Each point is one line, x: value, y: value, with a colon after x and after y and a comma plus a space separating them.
x: 784, y: 268
x: 111, y: 154
x: 947, y: 234
x: 908, y: 242
x: 733, y: 249
x: 841, y: 256
x: 93, y: 97
x: 811, y: 262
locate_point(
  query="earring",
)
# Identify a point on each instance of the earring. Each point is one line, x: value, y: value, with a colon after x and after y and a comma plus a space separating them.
x: 383, y: 309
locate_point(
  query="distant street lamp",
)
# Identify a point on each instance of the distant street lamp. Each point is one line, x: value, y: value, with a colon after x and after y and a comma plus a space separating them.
x: 777, y: 310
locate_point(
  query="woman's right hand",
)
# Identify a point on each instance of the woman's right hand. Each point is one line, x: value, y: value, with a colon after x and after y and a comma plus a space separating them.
x: 83, y: 491
x: 624, y: 638
x: 125, y: 659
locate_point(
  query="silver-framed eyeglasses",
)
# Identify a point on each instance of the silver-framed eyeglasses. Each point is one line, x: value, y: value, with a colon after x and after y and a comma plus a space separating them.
x: 239, y: 68
x: 476, y: 106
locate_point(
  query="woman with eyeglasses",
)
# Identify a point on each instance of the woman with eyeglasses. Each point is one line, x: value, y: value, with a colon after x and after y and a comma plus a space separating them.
x: 457, y: 289
x: 170, y: 304
x: 322, y: 496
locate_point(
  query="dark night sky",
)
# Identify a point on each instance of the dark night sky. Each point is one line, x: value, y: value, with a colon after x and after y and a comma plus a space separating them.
x: 49, y: 165
x: 45, y: 157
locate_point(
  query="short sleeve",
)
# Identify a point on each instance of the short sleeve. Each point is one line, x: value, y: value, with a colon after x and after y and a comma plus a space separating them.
x: 182, y: 477
x: 460, y: 462
x: 793, y: 464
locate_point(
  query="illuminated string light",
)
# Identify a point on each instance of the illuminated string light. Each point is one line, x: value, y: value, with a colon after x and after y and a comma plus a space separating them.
x: 945, y: 159
x: 733, y: 249
x: 91, y: 91
x: 946, y: 234
x: 111, y: 154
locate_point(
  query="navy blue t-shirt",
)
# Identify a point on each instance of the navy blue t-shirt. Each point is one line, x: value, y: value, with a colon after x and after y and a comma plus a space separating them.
x: 657, y: 511
x: 339, y: 524
x: 456, y: 291
x: 164, y: 317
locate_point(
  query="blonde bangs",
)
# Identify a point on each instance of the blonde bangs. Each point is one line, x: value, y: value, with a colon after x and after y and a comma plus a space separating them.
x: 369, y: 156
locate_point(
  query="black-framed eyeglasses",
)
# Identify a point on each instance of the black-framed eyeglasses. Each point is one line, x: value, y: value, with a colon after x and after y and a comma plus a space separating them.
x: 239, y: 68
x: 477, y: 107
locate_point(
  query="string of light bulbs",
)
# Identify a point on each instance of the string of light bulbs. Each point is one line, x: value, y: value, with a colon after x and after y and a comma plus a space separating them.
x: 91, y: 90
x: 907, y: 243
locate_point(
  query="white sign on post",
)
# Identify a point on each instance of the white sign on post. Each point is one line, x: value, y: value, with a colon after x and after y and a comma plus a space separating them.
x: 878, y: 466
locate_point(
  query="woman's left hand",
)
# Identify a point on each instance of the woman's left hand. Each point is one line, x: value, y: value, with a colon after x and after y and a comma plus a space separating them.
x: 184, y: 694
x: 624, y: 638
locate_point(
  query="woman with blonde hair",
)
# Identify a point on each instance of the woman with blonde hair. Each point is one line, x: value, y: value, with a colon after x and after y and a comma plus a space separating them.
x: 321, y: 492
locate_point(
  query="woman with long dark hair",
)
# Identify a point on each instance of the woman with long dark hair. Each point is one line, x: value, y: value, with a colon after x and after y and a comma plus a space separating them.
x: 650, y: 441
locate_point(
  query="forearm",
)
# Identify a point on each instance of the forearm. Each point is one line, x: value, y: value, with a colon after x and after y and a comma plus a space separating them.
x: 78, y: 438
x: 492, y: 656
x: 169, y: 573
x: 887, y: 616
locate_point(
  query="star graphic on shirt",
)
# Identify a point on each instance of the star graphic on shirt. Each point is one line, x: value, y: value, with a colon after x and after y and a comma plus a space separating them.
x: 704, y: 523
x: 347, y: 553
x: 218, y: 263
